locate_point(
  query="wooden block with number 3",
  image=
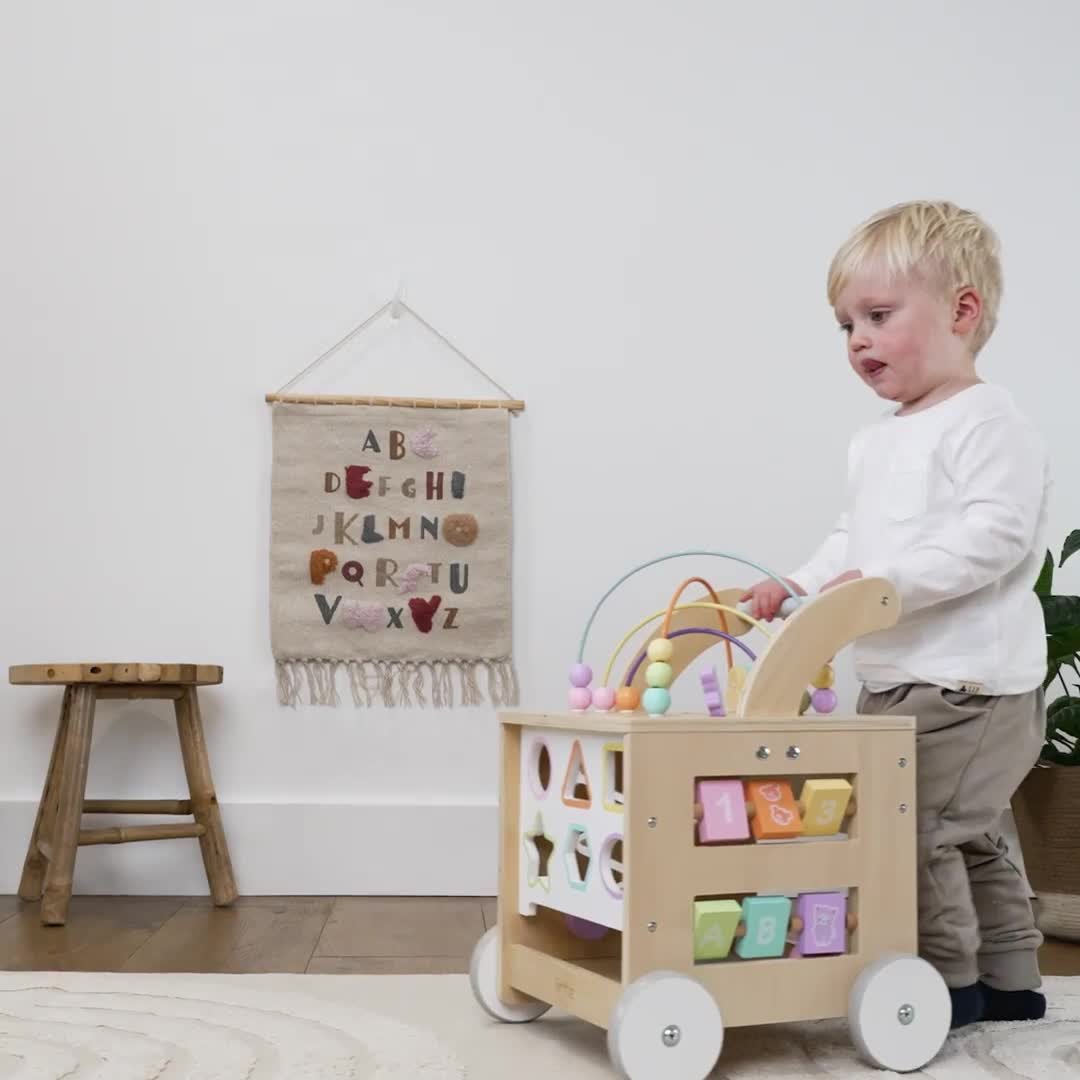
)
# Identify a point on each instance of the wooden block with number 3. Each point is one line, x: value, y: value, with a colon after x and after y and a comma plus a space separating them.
x: 823, y: 803
x: 775, y: 814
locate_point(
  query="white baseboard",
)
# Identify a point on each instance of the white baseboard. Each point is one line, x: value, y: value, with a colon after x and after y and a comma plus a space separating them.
x: 299, y: 849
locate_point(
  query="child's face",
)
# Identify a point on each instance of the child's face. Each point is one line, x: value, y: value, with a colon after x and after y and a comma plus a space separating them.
x: 900, y: 335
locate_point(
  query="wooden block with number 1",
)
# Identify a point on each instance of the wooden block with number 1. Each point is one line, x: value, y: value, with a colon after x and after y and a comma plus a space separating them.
x: 776, y: 816
x: 723, y: 811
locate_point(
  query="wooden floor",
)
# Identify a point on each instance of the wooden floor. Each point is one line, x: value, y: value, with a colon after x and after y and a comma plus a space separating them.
x: 334, y: 935
x: 346, y: 934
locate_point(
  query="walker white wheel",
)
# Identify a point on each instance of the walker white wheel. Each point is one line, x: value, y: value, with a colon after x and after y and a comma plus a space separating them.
x: 484, y: 979
x: 665, y: 1024
x: 899, y: 1013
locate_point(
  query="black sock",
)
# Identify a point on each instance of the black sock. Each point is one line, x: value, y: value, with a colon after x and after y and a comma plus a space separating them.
x: 968, y: 1004
x: 1013, y: 1004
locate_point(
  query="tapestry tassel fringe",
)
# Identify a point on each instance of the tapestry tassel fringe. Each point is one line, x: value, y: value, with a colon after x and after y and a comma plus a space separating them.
x: 440, y: 683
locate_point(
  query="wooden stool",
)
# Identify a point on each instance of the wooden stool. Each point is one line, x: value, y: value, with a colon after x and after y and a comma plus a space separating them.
x: 50, y: 859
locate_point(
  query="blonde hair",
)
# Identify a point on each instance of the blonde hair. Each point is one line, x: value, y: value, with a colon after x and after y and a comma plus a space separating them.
x: 949, y: 247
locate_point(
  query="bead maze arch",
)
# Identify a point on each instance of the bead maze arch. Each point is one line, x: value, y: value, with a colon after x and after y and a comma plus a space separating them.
x: 790, y: 674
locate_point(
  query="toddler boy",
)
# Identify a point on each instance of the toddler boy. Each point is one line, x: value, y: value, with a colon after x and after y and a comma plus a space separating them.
x: 947, y: 496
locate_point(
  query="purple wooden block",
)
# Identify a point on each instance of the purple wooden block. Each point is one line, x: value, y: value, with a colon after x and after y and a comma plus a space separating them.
x: 824, y: 917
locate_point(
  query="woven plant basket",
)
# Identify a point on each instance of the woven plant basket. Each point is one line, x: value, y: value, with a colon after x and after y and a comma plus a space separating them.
x: 1047, y: 811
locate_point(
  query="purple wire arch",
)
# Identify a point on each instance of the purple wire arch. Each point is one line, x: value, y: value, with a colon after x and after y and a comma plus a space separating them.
x: 690, y: 630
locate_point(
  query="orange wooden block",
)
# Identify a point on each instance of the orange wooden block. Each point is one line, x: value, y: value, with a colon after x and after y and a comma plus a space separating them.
x: 776, y: 814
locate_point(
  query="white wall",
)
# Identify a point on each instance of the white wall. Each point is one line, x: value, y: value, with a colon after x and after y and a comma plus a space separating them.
x: 623, y: 210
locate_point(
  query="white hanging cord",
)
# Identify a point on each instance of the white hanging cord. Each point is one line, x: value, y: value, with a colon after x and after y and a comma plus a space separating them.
x: 394, y: 307
x: 334, y: 348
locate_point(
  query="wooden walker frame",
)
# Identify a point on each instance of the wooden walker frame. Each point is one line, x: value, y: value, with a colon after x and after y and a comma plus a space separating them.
x: 541, y: 963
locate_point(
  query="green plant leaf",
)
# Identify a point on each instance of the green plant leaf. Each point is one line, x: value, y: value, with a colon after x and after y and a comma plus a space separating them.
x: 1071, y: 546
x: 1060, y: 703
x: 1063, y: 736
x: 1046, y: 577
x: 1062, y: 613
x: 1062, y: 647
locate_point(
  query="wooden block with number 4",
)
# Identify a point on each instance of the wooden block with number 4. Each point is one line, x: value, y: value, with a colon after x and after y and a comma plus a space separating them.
x: 823, y: 803
x: 775, y: 814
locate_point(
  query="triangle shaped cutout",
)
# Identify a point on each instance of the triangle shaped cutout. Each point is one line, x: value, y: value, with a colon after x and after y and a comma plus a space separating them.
x: 576, y: 788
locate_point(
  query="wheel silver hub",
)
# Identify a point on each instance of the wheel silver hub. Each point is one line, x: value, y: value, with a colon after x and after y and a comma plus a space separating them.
x: 671, y: 1035
x: 905, y: 1014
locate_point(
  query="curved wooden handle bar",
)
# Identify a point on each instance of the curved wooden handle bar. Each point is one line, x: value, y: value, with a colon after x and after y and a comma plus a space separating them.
x: 686, y: 650
x: 810, y: 638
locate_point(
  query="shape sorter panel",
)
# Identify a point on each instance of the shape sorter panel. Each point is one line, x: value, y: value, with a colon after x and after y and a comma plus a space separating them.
x: 571, y: 824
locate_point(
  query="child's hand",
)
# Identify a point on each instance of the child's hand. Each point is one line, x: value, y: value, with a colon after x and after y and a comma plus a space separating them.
x: 847, y: 575
x: 766, y: 597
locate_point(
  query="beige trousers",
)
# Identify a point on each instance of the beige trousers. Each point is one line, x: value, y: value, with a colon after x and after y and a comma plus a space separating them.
x: 975, y: 918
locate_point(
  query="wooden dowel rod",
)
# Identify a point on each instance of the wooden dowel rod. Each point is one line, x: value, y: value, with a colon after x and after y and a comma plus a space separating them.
x: 796, y: 925
x: 137, y: 806
x: 136, y: 693
x: 134, y: 833
x: 849, y: 810
x: 405, y: 402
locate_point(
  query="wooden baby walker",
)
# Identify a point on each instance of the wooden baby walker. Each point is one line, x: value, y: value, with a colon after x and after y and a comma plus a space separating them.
x: 669, y: 876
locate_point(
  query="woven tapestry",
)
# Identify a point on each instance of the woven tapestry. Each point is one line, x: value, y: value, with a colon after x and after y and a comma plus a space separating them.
x: 390, y: 555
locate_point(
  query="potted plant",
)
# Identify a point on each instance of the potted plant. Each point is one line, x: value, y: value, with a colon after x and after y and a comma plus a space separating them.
x: 1046, y: 807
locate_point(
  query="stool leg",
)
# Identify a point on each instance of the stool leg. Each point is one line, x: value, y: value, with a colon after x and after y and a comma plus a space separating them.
x: 72, y: 766
x: 204, y: 804
x: 33, y: 874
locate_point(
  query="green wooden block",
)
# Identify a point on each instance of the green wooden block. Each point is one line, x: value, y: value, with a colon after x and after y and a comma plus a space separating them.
x: 766, y: 919
x: 715, y: 923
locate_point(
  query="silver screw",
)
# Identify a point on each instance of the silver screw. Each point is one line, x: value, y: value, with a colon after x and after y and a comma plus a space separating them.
x: 671, y: 1035
x: 905, y: 1014
x: 793, y: 752
x: 651, y: 823
x: 651, y: 928
x: 763, y: 752
x: 903, y: 763
x: 884, y: 601
x: 903, y: 808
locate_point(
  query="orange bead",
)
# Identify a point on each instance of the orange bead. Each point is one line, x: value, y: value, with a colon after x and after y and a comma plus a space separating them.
x: 627, y: 699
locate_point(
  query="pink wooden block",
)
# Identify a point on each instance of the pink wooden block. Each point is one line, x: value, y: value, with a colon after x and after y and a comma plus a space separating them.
x: 824, y: 917
x: 723, y: 816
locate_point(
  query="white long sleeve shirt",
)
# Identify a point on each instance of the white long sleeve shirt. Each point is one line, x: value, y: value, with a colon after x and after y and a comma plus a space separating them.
x: 950, y: 505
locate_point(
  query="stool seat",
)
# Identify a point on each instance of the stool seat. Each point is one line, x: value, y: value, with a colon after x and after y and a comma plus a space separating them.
x: 134, y: 674
x: 49, y: 868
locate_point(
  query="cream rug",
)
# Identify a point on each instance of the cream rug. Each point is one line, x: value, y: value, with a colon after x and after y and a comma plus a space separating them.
x: 353, y: 1027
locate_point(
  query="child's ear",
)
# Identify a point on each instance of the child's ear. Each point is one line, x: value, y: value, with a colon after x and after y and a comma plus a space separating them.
x: 967, y: 310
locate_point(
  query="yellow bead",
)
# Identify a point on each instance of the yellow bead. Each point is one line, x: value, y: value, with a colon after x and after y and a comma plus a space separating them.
x: 660, y: 649
x: 659, y: 674
x: 824, y: 678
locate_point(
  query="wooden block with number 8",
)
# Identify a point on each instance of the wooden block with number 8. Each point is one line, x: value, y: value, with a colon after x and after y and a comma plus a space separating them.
x: 766, y: 919
x: 775, y: 814
x: 822, y: 804
x: 723, y: 811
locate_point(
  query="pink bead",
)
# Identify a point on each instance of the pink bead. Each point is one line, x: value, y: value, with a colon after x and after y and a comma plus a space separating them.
x: 823, y: 701
x: 580, y: 698
x: 580, y: 675
x: 603, y: 698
